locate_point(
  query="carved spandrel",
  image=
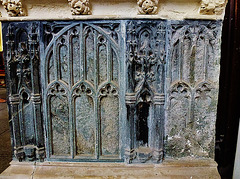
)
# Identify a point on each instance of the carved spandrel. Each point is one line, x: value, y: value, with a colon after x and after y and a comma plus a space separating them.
x: 50, y: 30
x: 112, y: 30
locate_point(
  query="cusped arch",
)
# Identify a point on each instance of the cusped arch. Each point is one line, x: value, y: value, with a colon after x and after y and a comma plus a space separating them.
x: 145, y: 29
x: 59, y: 86
x: 21, y: 36
x: 203, y: 87
x: 179, y: 88
x: 107, y: 86
x: 145, y: 95
x: 24, y: 90
x: 84, y: 86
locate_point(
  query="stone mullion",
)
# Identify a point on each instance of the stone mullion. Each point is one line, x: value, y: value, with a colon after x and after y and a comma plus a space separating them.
x: 69, y: 38
x: 82, y: 48
x: 158, y: 128
x: 17, y: 142
x: 36, y: 97
x: 98, y: 127
x: 71, y: 126
x: 96, y: 97
x: 109, y: 62
x: 56, y: 61
x: 96, y: 60
x: 130, y: 128
x: 84, y: 59
x: 70, y: 59
x: 181, y: 58
x: 49, y: 134
x: 40, y: 149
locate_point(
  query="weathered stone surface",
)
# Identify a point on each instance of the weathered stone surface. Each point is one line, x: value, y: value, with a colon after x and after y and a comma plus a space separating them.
x: 209, y: 7
x: 22, y: 62
x: 183, y: 169
x: 14, y: 7
x: 192, y: 88
x: 145, y: 82
x: 147, y: 6
x: 133, y: 90
x: 85, y: 67
x: 79, y: 7
x: 85, y: 120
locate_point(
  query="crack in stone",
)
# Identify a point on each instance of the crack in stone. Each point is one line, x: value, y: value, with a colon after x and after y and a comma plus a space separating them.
x: 35, y: 167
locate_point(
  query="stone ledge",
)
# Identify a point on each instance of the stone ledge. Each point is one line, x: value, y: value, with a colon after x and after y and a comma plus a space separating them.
x: 112, y: 9
x: 168, y: 169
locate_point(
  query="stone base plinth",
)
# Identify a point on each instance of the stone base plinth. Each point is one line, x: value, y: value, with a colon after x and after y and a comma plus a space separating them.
x: 168, y: 169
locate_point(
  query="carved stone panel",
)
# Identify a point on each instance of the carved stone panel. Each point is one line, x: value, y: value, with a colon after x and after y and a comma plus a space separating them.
x: 145, y: 90
x: 83, y: 58
x: 22, y: 68
x: 85, y: 120
x: 205, y: 109
x: 59, y: 119
x: 133, y: 90
x: 109, y: 120
x: 192, y: 95
x: 178, y: 121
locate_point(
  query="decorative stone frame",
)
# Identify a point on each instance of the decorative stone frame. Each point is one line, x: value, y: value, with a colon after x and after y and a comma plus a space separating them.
x: 139, y: 88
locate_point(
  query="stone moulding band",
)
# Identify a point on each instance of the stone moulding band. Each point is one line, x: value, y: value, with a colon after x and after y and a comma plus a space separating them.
x: 150, y: 8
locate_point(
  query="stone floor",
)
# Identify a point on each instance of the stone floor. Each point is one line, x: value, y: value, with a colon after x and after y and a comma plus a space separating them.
x: 5, y: 143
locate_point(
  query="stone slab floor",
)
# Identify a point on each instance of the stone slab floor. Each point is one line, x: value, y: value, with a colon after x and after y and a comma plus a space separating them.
x: 5, y: 143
